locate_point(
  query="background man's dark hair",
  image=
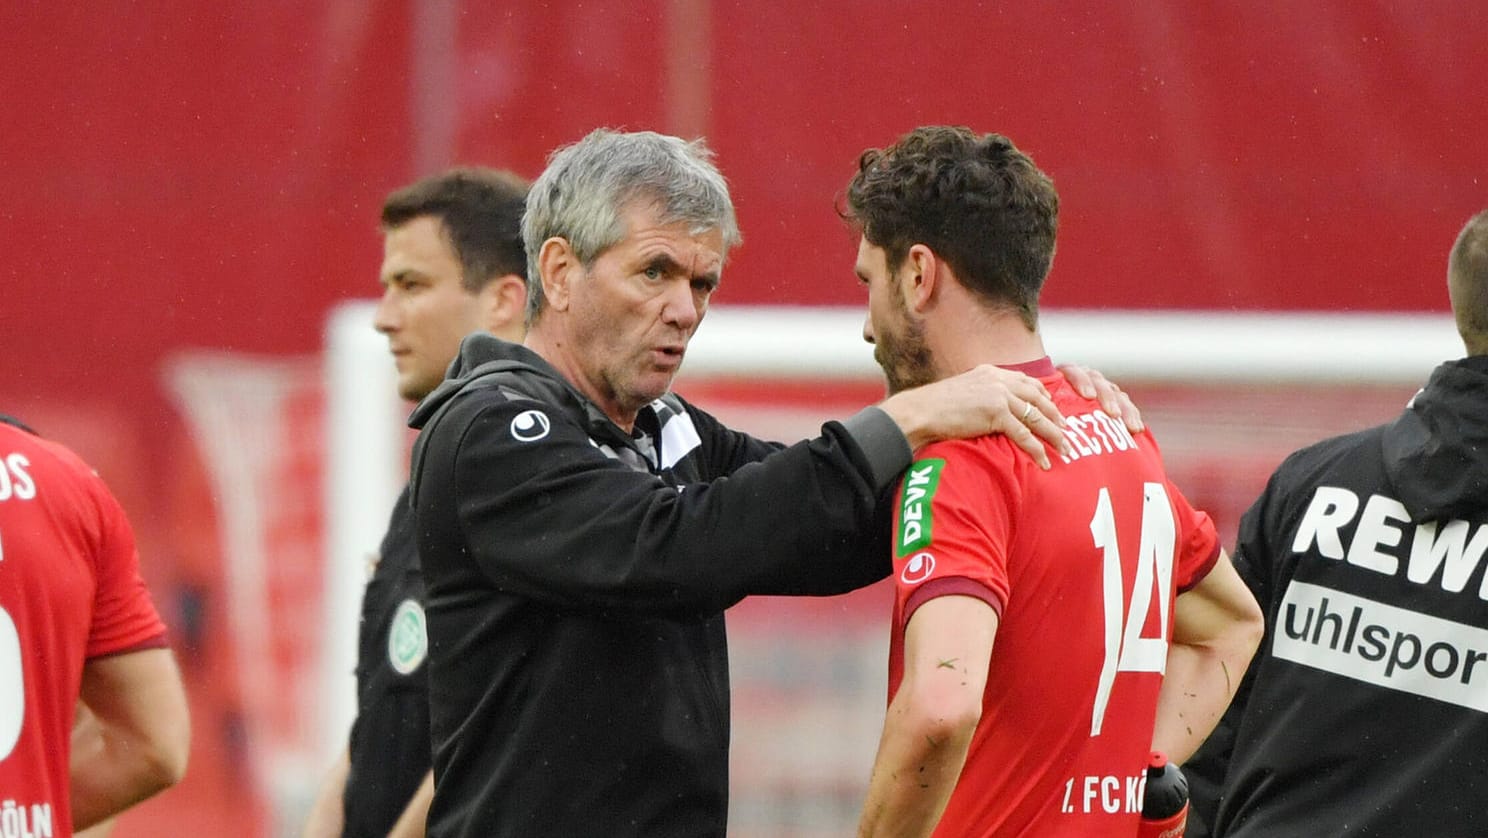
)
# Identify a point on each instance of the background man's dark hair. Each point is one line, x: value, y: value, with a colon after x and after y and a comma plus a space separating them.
x: 481, y: 210
x: 977, y: 201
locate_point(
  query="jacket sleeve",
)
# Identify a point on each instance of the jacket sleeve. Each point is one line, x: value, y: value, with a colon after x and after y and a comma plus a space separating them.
x: 556, y: 520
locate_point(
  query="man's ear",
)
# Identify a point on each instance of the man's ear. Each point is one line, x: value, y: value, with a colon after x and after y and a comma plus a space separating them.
x: 923, y: 280
x: 503, y: 306
x: 557, y: 265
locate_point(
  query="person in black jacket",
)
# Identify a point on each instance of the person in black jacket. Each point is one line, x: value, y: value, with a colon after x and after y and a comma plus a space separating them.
x: 453, y: 263
x: 583, y: 529
x: 1365, y: 713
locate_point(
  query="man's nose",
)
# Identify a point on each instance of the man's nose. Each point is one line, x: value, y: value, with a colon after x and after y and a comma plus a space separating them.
x: 683, y: 306
x: 384, y: 319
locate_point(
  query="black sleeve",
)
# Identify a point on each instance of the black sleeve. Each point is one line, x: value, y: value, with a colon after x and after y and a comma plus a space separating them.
x: 556, y: 520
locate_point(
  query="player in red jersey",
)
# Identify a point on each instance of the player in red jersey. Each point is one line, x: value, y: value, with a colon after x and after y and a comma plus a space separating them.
x: 76, y: 623
x: 1093, y: 578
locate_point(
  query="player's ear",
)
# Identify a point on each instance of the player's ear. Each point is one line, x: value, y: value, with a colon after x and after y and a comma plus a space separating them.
x: 557, y: 267
x: 923, y: 268
x: 503, y: 304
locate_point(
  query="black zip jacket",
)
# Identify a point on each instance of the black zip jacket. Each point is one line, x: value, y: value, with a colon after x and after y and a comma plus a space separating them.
x: 1365, y: 713
x: 576, y: 578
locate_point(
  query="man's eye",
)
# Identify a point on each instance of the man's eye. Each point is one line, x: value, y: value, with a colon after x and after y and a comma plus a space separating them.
x: 654, y: 272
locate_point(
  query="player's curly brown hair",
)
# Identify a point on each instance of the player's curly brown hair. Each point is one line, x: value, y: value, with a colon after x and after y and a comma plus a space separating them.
x: 976, y: 200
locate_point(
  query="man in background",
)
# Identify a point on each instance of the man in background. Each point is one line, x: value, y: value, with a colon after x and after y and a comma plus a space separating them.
x: 1366, y: 713
x: 453, y: 264
x: 1034, y: 609
x: 76, y: 624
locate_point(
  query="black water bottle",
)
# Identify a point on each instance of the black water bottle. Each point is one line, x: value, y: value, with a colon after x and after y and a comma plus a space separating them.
x: 1165, y: 799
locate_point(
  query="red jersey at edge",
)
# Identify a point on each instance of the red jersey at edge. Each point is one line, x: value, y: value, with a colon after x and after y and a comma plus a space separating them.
x: 70, y: 590
x: 1082, y: 564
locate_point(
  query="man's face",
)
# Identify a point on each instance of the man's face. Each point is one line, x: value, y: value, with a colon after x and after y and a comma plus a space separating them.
x: 898, y: 337
x: 425, y: 310
x: 632, y: 312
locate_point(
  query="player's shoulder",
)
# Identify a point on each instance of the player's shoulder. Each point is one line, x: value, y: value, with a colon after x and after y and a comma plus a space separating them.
x: 490, y: 417
x: 982, y: 449
x: 1310, y: 462
x: 479, y: 402
x: 977, y: 465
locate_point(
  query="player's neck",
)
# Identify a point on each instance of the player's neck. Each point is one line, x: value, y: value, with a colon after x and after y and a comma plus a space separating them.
x: 976, y: 335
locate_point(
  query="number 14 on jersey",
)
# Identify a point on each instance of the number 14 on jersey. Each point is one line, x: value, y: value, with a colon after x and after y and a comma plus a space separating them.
x: 1126, y: 650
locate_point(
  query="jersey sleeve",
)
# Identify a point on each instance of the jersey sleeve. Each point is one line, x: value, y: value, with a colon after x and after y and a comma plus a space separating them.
x: 124, y: 617
x: 953, y: 523
x: 1198, y: 541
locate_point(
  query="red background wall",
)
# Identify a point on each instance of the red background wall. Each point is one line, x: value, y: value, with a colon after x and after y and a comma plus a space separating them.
x: 178, y: 174
x: 186, y: 174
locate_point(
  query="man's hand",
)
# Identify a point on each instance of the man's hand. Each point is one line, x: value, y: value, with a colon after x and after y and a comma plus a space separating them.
x: 983, y: 400
x: 1092, y: 385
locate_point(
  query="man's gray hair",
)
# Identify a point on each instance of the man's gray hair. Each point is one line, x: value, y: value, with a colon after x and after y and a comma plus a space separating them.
x: 588, y: 185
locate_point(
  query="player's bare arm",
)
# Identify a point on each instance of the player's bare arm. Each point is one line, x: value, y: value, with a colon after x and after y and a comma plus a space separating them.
x: 328, y: 814
x: 142, y: 737
x: 930, y: 722
x: 411, y: 823
x: 1217, y: 626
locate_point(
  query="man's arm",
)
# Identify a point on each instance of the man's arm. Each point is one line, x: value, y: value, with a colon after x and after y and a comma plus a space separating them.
x: 1216, y: 629
x: 411, y: 823
x: 98, y: 830
x: 328, y: 814
x: 84, y: 729
x: 138, y: 740
x: 947, y: 649
x: 521, y: 502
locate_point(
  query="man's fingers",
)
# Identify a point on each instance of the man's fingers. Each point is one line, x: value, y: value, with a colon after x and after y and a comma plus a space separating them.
x: 1035, y: 418
x: 1113, y: 400
x: 1080, y: 378
x: 1026, y: 439
x: 1130, y: 414
x: 1117, y: 404
x: 1042, y: 420
x: 1026, y: 390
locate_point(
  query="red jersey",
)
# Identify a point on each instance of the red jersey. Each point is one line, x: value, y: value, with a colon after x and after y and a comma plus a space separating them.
x: 1082, y: 564
x: 70, y: 590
